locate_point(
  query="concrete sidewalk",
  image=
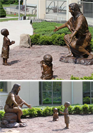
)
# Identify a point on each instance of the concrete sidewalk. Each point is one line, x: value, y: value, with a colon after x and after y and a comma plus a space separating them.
x: 16, y: 28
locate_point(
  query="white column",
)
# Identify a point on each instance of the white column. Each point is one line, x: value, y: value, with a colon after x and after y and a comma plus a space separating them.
x: 19, y: 11
x: 41, y: 9
x: 68, y: 15
x: 25, y: 7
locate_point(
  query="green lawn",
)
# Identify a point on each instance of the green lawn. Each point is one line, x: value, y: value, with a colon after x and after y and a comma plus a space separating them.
x: 46, y: 28
x: 2, y: 20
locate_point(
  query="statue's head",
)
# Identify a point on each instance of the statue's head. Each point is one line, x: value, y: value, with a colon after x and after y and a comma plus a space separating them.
x: 74, y: 7
x: 55, y: 110
x: 16, y: 88
x: 48, y: 59
x: 67, y: 104
x: 4, y: 32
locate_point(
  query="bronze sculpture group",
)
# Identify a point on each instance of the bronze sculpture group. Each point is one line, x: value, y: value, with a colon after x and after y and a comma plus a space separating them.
x: 13, y: 111
x: 78, y: 43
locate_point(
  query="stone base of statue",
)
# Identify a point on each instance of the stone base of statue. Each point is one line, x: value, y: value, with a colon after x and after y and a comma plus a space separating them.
x: 83, y: 61
x: 10, y: 121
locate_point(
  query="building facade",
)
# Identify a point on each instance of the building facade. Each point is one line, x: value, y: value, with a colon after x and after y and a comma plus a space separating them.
x: 50, y: 93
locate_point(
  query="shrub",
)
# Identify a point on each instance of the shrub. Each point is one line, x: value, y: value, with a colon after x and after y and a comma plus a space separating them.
x: 91, y: 44
x: 39, y: 112
x: 91, y: 109
x: 32, y: 112
x: 1, y: 114
x: 84, y: 78
x: 58, y: 39
x: 25, y: 113
x: 77, y: 110
x: 35, y: 39
x: 2, y: 11
x: 57, y: 80
x: 70, y: 109
x: 85, y: 109
x: 45, y: 40
x: 47, y: 111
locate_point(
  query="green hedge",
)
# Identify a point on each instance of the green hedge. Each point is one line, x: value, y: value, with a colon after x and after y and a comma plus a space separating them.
x: 84, y: 78
x: 56, y: 39
x: 48, y: 111
x: 2, y: 11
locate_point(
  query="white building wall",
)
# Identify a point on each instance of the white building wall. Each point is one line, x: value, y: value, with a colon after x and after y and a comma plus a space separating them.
x: 72, y: 92
x: 77, y: 93
x: 29, y: 91
x: 66, y: 92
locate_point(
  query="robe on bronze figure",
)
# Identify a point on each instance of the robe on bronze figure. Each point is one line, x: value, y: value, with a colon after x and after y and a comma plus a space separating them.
x: 13, y: 112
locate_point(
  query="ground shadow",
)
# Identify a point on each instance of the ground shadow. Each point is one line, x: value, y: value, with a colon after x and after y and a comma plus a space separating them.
x: 60, y: 129
x: 91, y: 123
x: 55, y: 76
x: 13, y: 62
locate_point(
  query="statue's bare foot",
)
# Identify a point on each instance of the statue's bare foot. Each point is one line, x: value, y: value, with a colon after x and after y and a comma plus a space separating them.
x: 69, y: 55
x: 90, y: 56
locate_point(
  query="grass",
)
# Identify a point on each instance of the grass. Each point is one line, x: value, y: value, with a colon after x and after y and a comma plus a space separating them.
x: 16, y: 15
x: 46, y: 28
x: 2, y: 20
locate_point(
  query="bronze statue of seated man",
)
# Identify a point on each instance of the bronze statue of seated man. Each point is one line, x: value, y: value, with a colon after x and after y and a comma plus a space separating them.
x: 12, y: 108
x: 78, y: 42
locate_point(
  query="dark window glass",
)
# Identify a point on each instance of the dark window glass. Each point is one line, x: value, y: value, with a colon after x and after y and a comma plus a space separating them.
x: 3, y: 87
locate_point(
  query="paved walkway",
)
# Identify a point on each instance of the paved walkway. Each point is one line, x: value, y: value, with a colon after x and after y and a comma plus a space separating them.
x: 78, y: 124
x: 16, y: 28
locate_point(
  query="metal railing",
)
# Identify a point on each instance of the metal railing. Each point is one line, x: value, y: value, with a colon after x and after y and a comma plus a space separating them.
x: 87, y: 8
x: 55, y: 6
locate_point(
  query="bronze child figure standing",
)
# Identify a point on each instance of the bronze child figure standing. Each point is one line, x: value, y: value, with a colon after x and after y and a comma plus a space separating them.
x: 47, y: 66
x: 65, y: 113
x: 55, y: 114
x: 5, y: 47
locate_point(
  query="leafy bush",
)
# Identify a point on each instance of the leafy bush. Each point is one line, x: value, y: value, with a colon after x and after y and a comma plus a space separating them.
x: 70, y: 109
x: 91, y: 44
x: 39, y: 112
x: 2, y: 11
x: 91, y: 109
x: 77, y: 110
x: 45, y: 40
x: 84, y: 78
x: 35, y: 39
x: 58, y: 39
x: 57, y: 80
x: 1, y: 114
x: 32, y: 112
x: 47, y: 111
x: 25, y: 113
x: 85, y: 109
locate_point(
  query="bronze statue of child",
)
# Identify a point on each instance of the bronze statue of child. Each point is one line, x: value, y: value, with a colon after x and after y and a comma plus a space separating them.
x: 6, y: 44
x: 55, y: 114
x: 65, y: 113
x: 14, y: 102
x: 47, y: 66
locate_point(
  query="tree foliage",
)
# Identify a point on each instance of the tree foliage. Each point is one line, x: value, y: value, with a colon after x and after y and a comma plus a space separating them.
x: 2, y: 11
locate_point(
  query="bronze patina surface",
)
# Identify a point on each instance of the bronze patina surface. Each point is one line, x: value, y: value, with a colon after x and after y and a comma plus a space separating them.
x: 13, y: 112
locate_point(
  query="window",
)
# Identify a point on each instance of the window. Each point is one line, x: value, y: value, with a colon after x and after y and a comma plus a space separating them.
x: 3, y: 87
x: 87, y: 92
x: 50, y: 93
